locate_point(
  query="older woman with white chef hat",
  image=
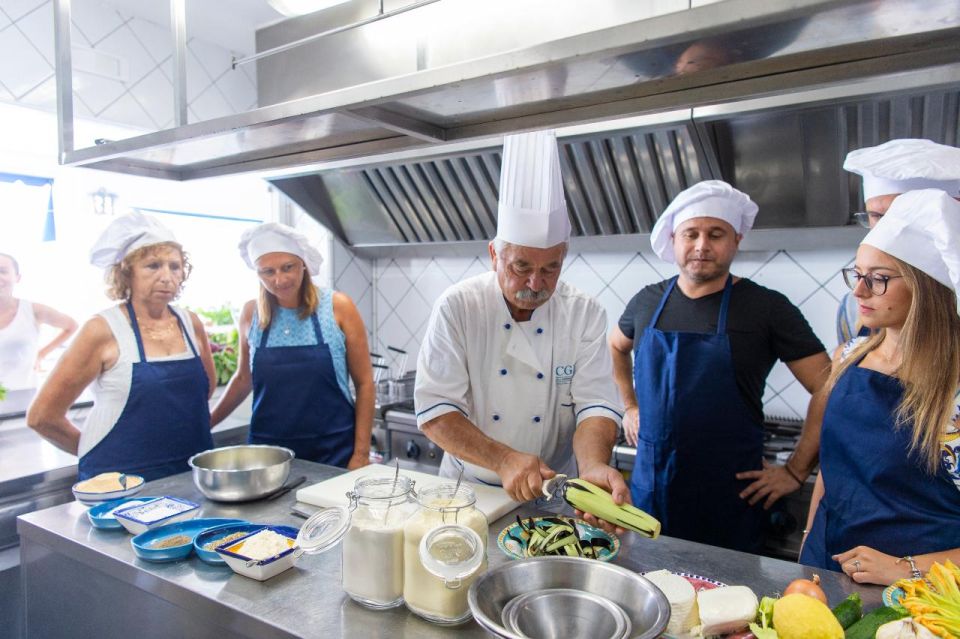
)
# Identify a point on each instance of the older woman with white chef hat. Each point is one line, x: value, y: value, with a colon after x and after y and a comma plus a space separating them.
x: 887, y: 171
x: 148, y: 361
x: 299, y: 346
x: 887, y: 500
x: 513, y: 377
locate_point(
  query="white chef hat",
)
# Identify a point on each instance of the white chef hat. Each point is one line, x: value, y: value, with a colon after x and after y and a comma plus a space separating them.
x: 273, y: 237
x: 710, y: 198
x: 532, y: 210
x: 922, y: 228
x: 905, y: 165
x: 126, y: 234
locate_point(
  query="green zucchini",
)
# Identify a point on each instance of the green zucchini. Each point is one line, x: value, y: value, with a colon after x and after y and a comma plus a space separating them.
x: 849, y: 611
x: 866, y: 628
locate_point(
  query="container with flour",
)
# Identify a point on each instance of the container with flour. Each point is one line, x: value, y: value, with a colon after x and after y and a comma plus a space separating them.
x: 444, y: 551
x: 373, y: 546
x: 371, y: 531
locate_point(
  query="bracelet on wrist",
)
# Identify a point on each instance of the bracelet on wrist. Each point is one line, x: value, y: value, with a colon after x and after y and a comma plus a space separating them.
x: 914, y: 571
x: 786, y: 467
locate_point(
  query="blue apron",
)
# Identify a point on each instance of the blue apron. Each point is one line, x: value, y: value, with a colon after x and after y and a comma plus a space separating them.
x: 298, y: 403
x: 695, y: 434
x: 875, y: 494
x: 165, y: 421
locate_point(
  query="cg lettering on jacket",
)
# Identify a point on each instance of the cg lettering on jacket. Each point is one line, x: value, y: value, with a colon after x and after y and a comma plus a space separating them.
x: 564, y: 373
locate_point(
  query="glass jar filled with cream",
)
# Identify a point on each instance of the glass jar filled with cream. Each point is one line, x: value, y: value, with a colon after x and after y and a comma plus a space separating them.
x: 444, y: 551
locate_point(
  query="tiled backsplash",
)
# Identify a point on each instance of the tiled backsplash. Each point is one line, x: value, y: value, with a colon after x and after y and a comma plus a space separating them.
x: 144, y: 97
x: 395, y: 295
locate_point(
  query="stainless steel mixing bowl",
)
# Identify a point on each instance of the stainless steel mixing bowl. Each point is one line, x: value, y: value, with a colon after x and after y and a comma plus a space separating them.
x: 241, y: 473
x: 644, y: 604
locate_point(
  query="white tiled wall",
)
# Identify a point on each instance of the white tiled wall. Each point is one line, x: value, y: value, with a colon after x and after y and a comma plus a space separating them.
x: 396, y: 294
x: 144, y: 99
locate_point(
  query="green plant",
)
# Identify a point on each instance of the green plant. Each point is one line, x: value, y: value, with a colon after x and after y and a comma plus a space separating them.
x: 222, y: 316
x: 3, y: 393
x: 224, y: 347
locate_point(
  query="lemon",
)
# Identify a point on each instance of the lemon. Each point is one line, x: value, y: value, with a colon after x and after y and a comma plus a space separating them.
x: 798, y: 616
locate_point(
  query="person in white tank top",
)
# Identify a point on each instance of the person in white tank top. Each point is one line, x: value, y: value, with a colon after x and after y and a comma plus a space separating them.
x: 148, y: 363
x: 20, y: 322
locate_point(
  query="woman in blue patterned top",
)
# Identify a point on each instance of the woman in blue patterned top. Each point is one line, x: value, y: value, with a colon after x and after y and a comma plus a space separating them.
x: 298, y: 344
x: 887, y: 501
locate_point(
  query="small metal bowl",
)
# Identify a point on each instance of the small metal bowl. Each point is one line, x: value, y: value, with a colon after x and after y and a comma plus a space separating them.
x: 556, y: 613
x: 241, y: 473
x: 645, y: 606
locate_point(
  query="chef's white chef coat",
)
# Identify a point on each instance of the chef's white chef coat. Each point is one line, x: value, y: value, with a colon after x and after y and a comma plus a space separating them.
x: 525, y: 384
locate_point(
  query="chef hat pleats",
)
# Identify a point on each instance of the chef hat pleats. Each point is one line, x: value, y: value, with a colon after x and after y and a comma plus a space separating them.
x: 126, y: 234
x: 532, y: 210
x: 909, y: 164
x: 710, y: 198
x: 274, y: 237
x: 922, y: 228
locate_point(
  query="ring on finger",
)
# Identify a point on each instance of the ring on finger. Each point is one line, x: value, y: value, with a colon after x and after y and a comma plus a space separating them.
x: 856, y: 565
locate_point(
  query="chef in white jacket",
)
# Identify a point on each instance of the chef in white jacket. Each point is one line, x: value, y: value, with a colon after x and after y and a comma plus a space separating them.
x: 514, y: 380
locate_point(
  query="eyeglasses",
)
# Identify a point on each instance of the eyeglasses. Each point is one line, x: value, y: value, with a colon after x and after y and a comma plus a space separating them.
x: 867, y: 219
x: 877, y: 284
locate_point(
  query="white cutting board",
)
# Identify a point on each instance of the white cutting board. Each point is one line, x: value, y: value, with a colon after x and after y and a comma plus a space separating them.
x: 492, y: 502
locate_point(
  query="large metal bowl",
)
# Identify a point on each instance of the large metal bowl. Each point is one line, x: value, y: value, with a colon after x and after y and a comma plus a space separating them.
x: 241, y: 473
x: 644, y: 604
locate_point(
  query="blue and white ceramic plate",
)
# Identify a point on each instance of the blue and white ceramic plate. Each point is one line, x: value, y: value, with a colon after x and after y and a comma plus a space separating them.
x: 512, y: 540
x: 101, y: 515
x: 151, y: 547
x: 215, y: 535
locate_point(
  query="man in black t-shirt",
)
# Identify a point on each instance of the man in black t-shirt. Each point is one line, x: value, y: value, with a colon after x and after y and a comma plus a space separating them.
x: 703, y: 345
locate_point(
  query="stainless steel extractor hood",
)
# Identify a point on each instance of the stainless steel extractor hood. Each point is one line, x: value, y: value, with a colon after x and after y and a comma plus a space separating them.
x: 390, y: 134
x: 787, y: 152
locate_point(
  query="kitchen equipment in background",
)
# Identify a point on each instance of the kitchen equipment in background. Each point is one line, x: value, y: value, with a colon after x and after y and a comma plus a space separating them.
x: 406, y: 441
x: 240, y: 473
x: 645, y: 606
x: 492, y: 501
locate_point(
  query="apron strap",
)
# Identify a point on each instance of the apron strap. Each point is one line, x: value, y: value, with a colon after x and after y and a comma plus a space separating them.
x: 725, y: 306
x: 186, y: 335
x: 136, y: 330
x: 663, y: 302
x: 316, y: 331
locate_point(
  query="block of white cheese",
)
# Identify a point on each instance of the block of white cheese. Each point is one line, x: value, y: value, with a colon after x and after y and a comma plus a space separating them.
x: 727, y: 609
x: 682, y: 598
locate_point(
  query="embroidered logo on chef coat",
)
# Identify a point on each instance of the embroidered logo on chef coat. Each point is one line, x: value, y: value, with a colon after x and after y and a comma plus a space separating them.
x: 563, y: 374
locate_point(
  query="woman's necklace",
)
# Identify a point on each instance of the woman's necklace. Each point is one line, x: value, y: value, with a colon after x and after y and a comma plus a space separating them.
x: 161, y: 331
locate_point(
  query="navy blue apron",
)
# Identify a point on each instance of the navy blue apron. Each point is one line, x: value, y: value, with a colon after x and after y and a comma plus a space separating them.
x: 297, y: 401
x: 165, y: 421
x: 875, y: 494
x: 695, y: 434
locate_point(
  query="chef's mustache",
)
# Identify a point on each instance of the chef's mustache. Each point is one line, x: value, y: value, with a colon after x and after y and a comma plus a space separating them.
x: 526, y: 295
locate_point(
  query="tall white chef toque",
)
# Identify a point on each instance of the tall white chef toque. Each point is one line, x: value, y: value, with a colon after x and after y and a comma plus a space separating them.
x: 274, y: 237
x: 532, y: 210
x: 710, y: 198
x: 922, y: 228
x: 126, y: 234
x: 905, y: 165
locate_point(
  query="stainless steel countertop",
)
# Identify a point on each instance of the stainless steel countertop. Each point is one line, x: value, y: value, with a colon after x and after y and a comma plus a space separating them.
x: 307, y: 601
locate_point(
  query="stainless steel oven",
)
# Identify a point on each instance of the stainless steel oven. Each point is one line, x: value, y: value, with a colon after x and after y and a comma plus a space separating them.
x: 407, y: 443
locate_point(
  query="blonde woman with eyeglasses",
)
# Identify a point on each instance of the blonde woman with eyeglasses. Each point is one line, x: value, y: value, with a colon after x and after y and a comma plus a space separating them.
x: 887, y: 500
